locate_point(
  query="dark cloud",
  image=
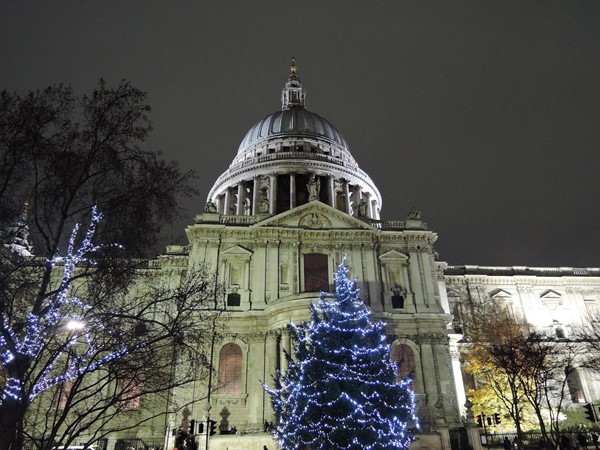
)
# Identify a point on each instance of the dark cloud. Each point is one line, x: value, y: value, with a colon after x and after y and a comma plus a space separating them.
x: 483, y: 114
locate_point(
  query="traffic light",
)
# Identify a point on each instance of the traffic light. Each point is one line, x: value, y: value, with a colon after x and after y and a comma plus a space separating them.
x: 200, y: 427
x: 589, y: 412
x: 479, y: 421
x: 212, y: 427
x: 192, y: 426
x: 489, y: 420
x: 497, y: 418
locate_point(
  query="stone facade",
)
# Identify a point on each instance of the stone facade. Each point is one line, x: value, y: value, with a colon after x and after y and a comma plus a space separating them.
x: 264, y: 266
x: 292, y: 203
x: 277, y: 222
x: 553, y: 300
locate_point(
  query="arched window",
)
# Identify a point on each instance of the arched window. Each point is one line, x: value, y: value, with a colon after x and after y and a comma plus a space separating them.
x: 230, y: 369
x: 131, y: 390
x: 405, y: 359
x: 65, y: 392
x: 575, y: 386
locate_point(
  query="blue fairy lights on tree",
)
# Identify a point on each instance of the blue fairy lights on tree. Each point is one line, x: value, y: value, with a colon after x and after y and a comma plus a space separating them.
x: 57, y: 327
x: 340, y: 389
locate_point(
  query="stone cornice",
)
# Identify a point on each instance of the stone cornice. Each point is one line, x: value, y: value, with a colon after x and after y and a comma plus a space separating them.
x: 523, y: 271
x: 518, y: 280
x: 422, y: 338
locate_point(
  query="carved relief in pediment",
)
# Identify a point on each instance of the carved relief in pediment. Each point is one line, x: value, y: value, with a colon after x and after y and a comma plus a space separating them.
x: 314, y: 220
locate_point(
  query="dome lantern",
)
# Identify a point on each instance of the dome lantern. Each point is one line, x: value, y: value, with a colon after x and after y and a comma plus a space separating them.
x: 293, y: 94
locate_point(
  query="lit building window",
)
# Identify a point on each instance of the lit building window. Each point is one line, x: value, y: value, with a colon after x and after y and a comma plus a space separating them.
x: 65, y: 392
x: 575, y: 387
x: 316, y: 272
x: 131, y: 391
x: 230, y: 369
x: 405, y: 359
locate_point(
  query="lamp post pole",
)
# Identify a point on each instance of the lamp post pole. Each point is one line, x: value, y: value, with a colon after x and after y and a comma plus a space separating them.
x: 210, y: 376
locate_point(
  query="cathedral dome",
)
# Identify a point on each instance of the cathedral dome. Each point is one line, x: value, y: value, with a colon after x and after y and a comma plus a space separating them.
x: 292, y: 122
x: 292, y: 157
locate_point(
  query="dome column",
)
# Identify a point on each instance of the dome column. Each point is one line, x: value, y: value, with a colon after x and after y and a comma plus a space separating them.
x: 239, y: 210
x: 292, y: 190
x: 356, y: 195
x: 347, y: 195
x: 227, y: 202
x: 254, y: 195
x: 272, y: 193
x: 331, y: 187
x: 367, y: 198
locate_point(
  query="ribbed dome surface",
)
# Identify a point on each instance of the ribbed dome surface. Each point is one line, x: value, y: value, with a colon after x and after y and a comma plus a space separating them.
x: 290, y: 123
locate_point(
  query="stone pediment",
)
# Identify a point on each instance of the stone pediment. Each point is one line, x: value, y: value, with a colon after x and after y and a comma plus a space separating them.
x: 314, y: 215
x: 549, y: 293
x: 453, y: 293
x: 500, y: 293
x: 393, y: 256
x: 236, y: 252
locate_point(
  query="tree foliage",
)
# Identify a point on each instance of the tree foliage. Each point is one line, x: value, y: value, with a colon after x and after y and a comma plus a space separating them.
x: 492, y: 395
x: 340, y: 391
x: 527, y: 370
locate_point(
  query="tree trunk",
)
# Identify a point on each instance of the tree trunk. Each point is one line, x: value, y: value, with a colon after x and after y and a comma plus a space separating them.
x: 11, y: 425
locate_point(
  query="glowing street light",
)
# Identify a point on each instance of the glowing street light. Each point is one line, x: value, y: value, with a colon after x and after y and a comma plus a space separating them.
x: 75, y: 325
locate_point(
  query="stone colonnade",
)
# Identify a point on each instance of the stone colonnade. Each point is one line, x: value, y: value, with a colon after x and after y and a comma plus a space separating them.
x: 276, y: 193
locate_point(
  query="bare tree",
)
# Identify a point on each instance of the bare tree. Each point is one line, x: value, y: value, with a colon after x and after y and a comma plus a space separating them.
x: 523, y: 367
x: 101, y: 352
x: 588, y: 332
x: 64, y: 154
x: 169, y: 330
x: 549, y: 363
x: 61, y: 155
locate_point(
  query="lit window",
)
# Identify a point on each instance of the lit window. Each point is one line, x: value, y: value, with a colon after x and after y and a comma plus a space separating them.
x: 131, y: 391
x: 316, y: 273
x: 405, y: 359
x: 230, y: 369
x: 65, y: 392
x: 575, y: 388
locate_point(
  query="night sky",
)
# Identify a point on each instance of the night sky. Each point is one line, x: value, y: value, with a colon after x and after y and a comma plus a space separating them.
x: 484, y: 115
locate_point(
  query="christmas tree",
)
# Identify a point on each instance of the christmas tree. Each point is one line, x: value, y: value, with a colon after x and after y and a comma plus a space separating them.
x: 340, y: 390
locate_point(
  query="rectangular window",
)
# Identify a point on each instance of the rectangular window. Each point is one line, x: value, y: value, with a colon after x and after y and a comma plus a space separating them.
x: 397, y: 301
x: 233, y: 299
x: 316, y: 273
x: 131, y: 391
x: 65, y: 392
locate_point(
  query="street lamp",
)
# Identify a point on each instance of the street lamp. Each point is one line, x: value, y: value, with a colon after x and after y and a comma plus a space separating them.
x: 74, y: 325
